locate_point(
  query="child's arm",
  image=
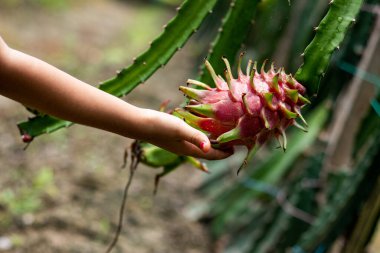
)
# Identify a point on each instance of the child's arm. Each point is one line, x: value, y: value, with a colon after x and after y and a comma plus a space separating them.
x: 41, y: 86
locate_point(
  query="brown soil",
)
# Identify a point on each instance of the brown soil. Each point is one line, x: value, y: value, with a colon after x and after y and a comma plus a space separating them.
x: 79, y: 209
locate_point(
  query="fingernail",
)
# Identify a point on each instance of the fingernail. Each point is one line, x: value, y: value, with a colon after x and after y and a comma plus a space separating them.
x: 202, y: 145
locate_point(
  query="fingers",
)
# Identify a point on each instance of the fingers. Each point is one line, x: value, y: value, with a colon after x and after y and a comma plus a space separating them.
x: 188, y: 149
x: 173, y: 134
x: 198, y: 139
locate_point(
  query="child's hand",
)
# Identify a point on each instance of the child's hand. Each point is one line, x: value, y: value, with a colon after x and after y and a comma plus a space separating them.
x: 173, y: 134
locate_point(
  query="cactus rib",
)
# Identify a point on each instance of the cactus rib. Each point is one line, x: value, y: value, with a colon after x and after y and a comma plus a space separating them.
x: 231, y: 35
x: 329, y: 34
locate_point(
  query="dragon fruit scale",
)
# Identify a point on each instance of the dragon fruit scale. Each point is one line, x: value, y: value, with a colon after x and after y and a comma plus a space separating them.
x: 247, y: 110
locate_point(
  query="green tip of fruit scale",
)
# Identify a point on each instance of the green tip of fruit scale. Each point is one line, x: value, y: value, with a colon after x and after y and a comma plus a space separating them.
x: 264, y: 117
x: 292, y: 94
x: 188, y: 117
x: 245, y: 103
x: 228, y: 68
x: 249, y: 65
x: 301, y: 117
x: 202, y: 109
x: 228, y: 79
x: 198, y: 84
x: 197, y: 164
x: 272, y: 69
x: 251, y: 152
x: 240, y: 73
x: 212, y: 73
x: 191, y: 92
x: 275, y: 83
x: 255, y: 65
x: 251, y: 80
x: 269, y: 99
x: 288, y: 114
x: 262, y: 71
x: 283, y: 143
x: 303, y: 99
x: 300, y: 127
x: 290, y: 80
x: 231, y: 135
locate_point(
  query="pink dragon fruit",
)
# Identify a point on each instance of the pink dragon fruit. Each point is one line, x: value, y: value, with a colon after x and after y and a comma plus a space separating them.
x: 247, y: 110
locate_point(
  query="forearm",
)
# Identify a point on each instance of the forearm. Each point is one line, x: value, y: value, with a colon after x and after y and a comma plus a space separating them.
x: 41, y: 86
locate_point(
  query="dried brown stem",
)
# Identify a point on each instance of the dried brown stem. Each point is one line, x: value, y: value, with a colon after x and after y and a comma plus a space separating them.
x: 132, y: 169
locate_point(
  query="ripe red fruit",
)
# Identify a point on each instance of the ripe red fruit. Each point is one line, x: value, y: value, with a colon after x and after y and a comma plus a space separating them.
x: 247, y: 110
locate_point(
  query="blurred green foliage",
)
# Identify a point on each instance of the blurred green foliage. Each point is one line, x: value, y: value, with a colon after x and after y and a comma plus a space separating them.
x: 53, y: 5
x: 29, y: 198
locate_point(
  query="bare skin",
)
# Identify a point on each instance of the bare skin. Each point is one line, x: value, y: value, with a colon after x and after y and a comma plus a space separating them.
x: 39, y: 85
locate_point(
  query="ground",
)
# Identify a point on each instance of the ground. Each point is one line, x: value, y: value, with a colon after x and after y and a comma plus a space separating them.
x: 62, y: 194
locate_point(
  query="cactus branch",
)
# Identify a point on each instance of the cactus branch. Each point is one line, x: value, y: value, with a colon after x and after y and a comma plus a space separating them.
x: 231, y: 36
x: 329, y: 34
